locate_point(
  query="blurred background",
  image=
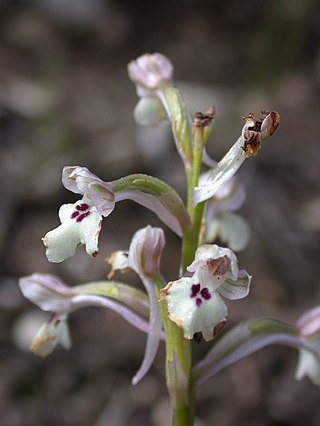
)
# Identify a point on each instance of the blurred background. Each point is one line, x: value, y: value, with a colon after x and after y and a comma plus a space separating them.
x: 65, y: 99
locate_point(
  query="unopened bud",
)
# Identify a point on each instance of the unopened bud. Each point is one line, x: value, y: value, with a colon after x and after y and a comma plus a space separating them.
x: 150, y: 70
x: 145, y: 251
x: 149, y: 111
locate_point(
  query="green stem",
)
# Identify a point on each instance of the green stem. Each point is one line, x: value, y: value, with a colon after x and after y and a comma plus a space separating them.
x: 178, y: 367
x: 178, y: 349
x: 195, y: 212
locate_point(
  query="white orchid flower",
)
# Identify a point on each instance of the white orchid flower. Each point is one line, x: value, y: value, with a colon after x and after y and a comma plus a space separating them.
x: 195, y: 303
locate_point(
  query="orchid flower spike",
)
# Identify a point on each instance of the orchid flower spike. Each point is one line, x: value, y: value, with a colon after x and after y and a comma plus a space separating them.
x: 249, y: 143
x: 195, y: 303
x: 309, y: 360
x: 81, y: 221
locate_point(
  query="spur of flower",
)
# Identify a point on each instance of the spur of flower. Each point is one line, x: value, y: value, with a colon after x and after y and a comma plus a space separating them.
x: 194, y: 302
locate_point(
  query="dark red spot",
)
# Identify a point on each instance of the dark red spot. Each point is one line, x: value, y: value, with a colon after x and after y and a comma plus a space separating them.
x: 194, y: 290
x: 198, y: 302
x: 82, y: 207
x: 205, y: 293
x: 82, y: 216
x: 74, y: 214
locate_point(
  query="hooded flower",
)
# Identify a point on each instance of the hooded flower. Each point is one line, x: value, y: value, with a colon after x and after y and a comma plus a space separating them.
x: 195, y: 303
x: 81, y: 221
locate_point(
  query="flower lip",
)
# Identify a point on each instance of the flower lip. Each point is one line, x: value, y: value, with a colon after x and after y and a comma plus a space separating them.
x: 78, y: 226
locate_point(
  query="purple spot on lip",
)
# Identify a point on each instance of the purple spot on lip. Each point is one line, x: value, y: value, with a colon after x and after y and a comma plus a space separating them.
x: 198, y: 302
x: 82, y: 207
x: 82, y: 216
x: 74, y: 214
x: 195, y: 288
x: 205, y: 293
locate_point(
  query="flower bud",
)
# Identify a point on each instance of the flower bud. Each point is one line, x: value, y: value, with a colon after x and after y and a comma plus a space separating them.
x: 150, y: 70
x: 145, y: 251
x: 149, y: 111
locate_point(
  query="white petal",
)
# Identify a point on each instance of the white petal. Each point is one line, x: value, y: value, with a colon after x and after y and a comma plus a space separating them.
x: 47, y: 291
x: 231, y: 229
x: 81, y: 181
x: 190, y: 316
x: 238, y: 289
x: 150, y: 70
x: 149, y: 111
x: 309, y: 322
x: 119, y: 262
x: 224, y: 171
x: 53, y: 332
x: 63, y: 241
x: 308, y: 365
